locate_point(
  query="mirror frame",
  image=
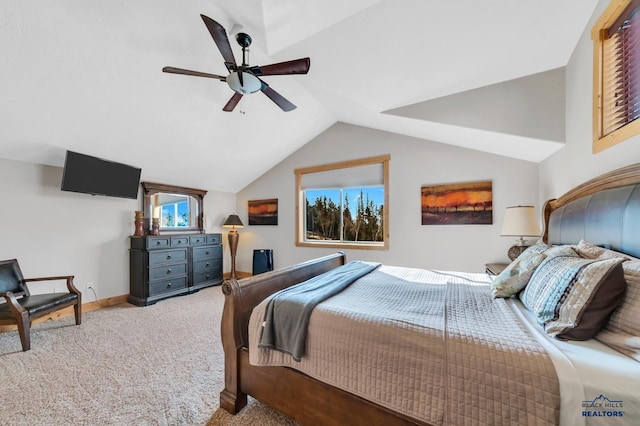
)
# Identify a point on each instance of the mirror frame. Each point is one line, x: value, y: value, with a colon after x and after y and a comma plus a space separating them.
x: 151, y: 188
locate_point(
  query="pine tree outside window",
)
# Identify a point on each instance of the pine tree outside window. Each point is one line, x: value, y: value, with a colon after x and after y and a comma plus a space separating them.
x: 343, y: 204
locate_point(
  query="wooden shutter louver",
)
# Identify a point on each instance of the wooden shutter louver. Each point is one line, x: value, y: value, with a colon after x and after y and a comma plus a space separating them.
x: 620, y: 100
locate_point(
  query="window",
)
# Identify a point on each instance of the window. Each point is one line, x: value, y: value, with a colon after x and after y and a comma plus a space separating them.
x: 175, y: 215
x: 343, y: 205
x: 616, y: 71
x: 174, y: 210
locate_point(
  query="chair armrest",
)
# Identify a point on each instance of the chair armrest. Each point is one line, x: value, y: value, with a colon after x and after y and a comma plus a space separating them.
x: 12, y: 302
x: 69, y: 278
x: 62, y: 277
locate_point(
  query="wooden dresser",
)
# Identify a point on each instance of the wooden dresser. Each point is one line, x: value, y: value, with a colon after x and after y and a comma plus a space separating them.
x: 170, y: 265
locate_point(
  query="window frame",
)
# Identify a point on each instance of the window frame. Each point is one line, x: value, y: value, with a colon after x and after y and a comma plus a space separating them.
x: 599, y: 33
x: 300, y: 203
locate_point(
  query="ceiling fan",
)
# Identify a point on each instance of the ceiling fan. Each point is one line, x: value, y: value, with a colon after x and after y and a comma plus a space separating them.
x: 245, y: 79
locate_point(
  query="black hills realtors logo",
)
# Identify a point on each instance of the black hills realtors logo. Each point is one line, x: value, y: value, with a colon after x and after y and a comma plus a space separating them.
x: 601, y: 406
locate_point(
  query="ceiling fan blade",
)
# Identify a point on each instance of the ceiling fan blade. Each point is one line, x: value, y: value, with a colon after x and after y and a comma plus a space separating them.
x: 232, y: 102
x: 222, y: 41
x: 277, y: 98
x: 297, y: 66
x: 174, y: 70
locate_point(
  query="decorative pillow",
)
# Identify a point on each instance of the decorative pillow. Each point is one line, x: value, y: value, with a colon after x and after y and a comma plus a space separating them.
x: 573, y: 297
x: 538, y: 247
x: 516, y: 276
x: 535, y: 296
x: 622, y: 333
x: 592, y: 251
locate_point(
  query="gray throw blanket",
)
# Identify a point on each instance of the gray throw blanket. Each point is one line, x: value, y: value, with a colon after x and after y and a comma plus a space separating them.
x: 288, y: 311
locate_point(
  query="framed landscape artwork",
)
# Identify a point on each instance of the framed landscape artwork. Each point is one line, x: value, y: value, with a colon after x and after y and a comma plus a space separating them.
x: 468, y: 203
x: 263, y: 212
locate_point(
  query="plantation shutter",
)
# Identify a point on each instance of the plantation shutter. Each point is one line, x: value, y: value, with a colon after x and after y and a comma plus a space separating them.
x: 621, y: 71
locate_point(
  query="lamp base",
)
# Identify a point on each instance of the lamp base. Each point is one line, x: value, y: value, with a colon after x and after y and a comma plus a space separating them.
x: 515, y: 251
x: 233, y: 247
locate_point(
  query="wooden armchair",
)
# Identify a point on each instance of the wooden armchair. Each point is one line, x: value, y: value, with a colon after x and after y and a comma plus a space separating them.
x: 21, y: 308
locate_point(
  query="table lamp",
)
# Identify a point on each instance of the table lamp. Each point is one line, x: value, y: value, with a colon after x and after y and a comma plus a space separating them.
x: 519, y: 221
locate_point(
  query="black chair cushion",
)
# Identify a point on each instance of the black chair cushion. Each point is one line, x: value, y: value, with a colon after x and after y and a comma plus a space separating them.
x: 38, y: 302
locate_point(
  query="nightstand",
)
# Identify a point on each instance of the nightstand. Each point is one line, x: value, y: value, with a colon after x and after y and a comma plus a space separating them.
x: 494, y: 268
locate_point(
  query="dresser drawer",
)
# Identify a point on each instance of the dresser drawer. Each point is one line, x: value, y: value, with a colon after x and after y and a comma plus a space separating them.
x: 214, y: 274
x: 179, y: 241
x: 205, y: 265
x: 197, y: 239
x: 208, y: 252
x: 168, y: 271
x: 164, y: 286
x: 167, y: 256
x: 171, y: 264
x: 214, y: 239
x: 157, y: 242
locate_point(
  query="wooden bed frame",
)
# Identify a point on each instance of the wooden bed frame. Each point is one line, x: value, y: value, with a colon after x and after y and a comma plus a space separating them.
x: 579, y: 213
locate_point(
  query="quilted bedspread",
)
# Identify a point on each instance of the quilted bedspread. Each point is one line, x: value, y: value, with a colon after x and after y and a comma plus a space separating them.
x: 433, y: 345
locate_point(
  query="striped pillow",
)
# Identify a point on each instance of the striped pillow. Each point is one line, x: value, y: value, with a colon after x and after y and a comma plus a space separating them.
x: 573, y: 297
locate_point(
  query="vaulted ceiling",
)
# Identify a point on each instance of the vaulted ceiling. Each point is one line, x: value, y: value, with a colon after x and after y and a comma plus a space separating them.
x: 85, y: 75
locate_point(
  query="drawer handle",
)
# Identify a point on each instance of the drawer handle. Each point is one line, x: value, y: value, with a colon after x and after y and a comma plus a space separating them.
x: 208, y: 276
x: 168, y: 256
x: 169, y: 285
x: 206, y: 252
x: 207, y: 265
x: 157, y: 243
x: 169, y: 271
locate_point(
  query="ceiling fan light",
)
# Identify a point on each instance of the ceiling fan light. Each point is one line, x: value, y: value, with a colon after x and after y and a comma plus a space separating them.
x: 251, y: 83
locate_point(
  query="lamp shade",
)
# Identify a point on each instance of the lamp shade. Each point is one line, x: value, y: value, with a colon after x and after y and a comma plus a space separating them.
x: 233, y: 221
x: 520, y: 221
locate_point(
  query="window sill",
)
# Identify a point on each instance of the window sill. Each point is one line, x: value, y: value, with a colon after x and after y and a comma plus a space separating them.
x: 338, y: 245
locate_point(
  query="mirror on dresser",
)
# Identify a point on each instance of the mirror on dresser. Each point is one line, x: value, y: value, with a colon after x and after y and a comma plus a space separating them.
x: 180, y: 258
x: 178, y: 209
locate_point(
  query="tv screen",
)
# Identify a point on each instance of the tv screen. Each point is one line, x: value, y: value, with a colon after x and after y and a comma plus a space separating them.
x: 92, y: 175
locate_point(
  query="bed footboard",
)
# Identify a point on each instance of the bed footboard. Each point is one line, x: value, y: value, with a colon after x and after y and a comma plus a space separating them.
x: 240, y: 299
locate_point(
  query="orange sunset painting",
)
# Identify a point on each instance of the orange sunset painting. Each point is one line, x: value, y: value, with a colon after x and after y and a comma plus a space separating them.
x: 263, y: 212
x: 457, y: 204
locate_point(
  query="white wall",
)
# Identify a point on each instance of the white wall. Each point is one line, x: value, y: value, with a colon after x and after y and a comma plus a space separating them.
x: 575, y: 163
x: 52, y: 232
x: 531, y: 106
x: 414, y: 163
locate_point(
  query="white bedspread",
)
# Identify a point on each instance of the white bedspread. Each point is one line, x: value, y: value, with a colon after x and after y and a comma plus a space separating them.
x: 422, y: 353
x: 592, y: 376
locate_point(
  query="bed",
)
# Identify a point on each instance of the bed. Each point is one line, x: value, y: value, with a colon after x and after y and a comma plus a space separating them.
x: 589, y: 379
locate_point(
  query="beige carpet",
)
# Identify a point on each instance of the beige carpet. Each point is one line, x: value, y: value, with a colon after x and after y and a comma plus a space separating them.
x: 158, y: 365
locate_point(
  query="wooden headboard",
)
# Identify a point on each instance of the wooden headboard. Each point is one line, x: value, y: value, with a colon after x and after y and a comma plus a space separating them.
x: 604, y: 211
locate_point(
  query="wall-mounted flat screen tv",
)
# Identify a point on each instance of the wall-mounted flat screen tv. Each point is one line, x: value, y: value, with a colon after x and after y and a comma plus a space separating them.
x: 92, y: 175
